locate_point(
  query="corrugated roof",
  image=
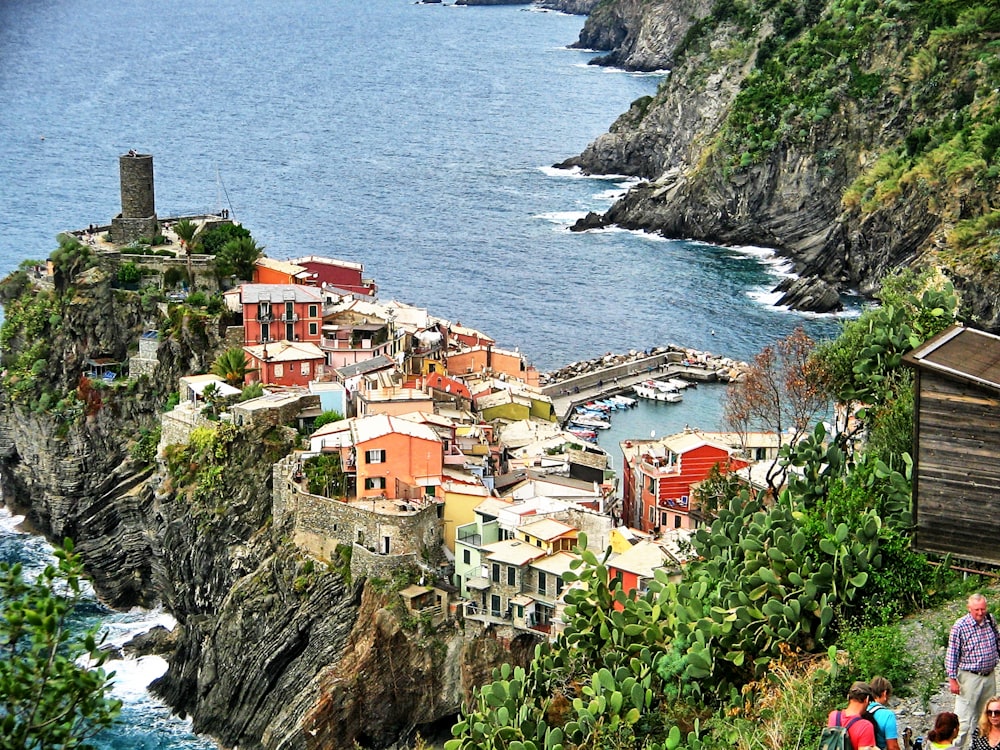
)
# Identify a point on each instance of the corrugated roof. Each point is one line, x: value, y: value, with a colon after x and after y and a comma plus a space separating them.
x: 285, y: 351
x: 556, y: 564
x: 251, y: 294
x: 380, y: 362
x: 963, y: 353
x: 377, y: 425
x: 512, y: 552
x: 547, y: 529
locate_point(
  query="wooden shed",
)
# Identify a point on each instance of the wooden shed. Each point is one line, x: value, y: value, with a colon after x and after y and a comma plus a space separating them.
x: 956, y: 482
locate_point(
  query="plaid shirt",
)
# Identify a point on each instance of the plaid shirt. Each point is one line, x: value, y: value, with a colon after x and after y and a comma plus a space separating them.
x: 971, y: 647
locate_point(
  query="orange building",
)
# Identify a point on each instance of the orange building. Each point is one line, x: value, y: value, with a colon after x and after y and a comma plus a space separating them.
x: 489, y: 359
x: 271, y: 271
x: 657, y: 476
x: 341, y: 274
x: 275, y: 312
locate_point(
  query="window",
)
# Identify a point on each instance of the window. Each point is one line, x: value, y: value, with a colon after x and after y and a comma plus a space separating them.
x: 652, y: 514
x: 279, y: 371
x: 313, y: 329
x: 290, y: 331
x: 651, y: 485
x: 467, y: 556
x: 265, y: 331
x: 375, y: 457
x: 542, y: 583
x: 511, y: 575
x: 305, y: 368
x: 289, y: 310
x: 374, y: 483
x: 495, y: 573
x: 677, y: 521
x: 559, y: 585
x: 760, y: 454
x: 313, y: 311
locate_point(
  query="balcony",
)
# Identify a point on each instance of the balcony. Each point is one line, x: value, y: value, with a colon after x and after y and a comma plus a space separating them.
x: 469, y: 535
x: 265, y: 317
x: 293, y: 318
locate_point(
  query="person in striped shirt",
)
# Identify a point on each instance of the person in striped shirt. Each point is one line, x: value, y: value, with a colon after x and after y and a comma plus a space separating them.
x: 971, y: 661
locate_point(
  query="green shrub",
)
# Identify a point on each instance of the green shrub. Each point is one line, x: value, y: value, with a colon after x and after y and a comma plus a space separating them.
x: 880, y: 650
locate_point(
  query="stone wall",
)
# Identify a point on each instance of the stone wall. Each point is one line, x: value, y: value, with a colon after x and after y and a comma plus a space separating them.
x: 318, y: 524
x: 177, y: 424
x: 252, y: 413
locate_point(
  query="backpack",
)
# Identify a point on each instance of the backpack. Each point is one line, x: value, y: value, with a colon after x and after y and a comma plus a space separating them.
x: 879, y: 731
x: 836, y: 737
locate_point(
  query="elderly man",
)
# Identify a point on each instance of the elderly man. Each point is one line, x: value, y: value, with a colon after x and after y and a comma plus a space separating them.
x: 970, y: 663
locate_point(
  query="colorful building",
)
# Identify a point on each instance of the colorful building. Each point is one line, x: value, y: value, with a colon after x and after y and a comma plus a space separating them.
x: 285, y: 363
x: 275, y: 312
x: 341, y: 274
x: 657, y: 476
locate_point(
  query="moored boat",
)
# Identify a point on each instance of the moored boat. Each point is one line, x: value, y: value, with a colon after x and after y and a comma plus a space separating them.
x: 649, y: 390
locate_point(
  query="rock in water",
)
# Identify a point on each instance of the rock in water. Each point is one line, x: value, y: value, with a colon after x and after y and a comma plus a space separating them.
x: 810, y: 294
x: 591, y: 221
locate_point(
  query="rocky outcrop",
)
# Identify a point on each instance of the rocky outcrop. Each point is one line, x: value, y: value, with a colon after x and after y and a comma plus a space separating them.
x: 638, y: 34
x: 576, y: 7
x: 780, y: 179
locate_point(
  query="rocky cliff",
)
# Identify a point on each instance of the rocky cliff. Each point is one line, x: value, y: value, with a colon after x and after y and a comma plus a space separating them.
x: 273, y: 649
x: 853, y: 138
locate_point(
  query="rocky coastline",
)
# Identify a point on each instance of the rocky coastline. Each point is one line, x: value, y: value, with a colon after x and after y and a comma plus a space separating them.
x: 789, y: 199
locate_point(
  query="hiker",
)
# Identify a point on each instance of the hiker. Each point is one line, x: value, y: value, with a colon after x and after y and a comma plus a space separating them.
x: 987, y: 733
x: 970, y: 661
x: 860, y: 730
x: 942, y: 736
x: 886, y: 732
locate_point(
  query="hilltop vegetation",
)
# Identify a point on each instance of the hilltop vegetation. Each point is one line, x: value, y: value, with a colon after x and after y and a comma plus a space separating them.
x: 703, y: 662
x: 855, y: 136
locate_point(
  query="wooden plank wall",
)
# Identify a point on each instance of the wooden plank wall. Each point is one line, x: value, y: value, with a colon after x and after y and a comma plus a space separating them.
x: 957, y: 486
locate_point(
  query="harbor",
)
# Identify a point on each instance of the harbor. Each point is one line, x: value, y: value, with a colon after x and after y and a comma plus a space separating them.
x: 575, y: 386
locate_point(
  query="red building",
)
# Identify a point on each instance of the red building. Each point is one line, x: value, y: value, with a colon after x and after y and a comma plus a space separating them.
x: 285, y: 363
x: 341, y: 274
x: 276, y: 312
x: 658, y: 475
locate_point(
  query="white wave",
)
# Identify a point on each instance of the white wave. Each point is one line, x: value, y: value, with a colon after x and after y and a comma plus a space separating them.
x: 121, y: 627
x: 610, y: 195
x: 561, y: 217
x: 9, y: 523
x: 132, y: 677
x: 578, y: 174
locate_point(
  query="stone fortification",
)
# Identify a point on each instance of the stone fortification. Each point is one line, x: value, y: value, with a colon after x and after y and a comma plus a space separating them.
x: 382, y: 534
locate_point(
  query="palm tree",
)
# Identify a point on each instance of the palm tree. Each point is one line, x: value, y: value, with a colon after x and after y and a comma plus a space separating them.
x: 237, y: 257
x: 232, y: 366
x: 185, y: 230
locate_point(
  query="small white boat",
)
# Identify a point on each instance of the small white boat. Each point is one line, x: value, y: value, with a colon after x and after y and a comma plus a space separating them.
x: 650, y: 391
x: 624, y: 400
x: 592, y: 423
x: 582, y: 433
x: 678, y: 383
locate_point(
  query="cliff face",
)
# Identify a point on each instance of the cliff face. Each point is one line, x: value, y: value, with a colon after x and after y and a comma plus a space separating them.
x: 273, y: 648
x: 848, y: 145
x: 638, y: 34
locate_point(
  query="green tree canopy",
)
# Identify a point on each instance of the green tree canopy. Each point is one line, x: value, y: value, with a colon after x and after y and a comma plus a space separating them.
x: 232, y: 365
x: 47, y: 699
x: 237, y: 258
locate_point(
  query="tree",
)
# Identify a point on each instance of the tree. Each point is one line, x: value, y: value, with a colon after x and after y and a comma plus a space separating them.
x: 47, y: 699
x: 325, y: 475
x: 237, y: 257
x: 232, y: 365
x: 780, y: 393
x: 327, y: 417
x: 185, y: 229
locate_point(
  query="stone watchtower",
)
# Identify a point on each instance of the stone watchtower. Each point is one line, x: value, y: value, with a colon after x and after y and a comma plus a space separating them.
x: 138, y: 217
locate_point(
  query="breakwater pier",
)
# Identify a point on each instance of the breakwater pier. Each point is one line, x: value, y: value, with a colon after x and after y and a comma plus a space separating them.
x: 615, y: 374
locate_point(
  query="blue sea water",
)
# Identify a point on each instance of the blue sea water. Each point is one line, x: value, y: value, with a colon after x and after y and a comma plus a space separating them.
x: 416, y: 139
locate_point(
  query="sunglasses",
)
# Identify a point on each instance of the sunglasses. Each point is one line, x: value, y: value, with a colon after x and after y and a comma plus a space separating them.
x: 991, y: 712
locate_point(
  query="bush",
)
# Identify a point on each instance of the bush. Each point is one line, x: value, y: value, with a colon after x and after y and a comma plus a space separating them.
x: 880, y: 650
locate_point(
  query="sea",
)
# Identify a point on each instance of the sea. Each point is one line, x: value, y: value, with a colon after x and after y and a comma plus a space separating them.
x: 417, y: 139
